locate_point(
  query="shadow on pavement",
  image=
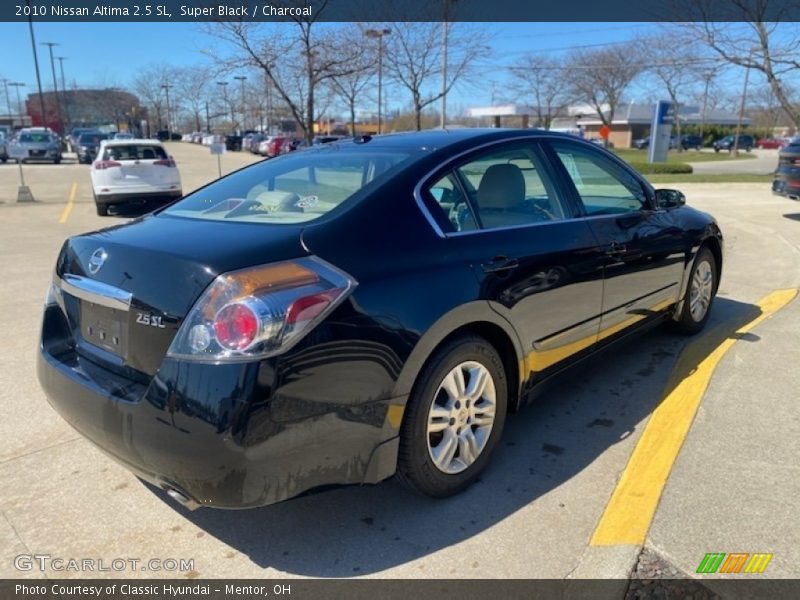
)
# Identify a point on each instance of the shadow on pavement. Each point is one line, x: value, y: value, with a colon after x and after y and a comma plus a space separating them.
x: 793, y: 216
x: 132, y: 210
x: 361, y: 530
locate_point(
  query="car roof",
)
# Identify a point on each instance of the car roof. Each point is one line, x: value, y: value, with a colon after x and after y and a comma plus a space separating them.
x: 434, y: 139
x: 128, y: 142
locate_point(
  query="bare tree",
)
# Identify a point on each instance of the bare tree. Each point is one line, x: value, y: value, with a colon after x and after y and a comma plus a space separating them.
x: 540, y: 82
x: 295, y: 62
x: 600, y: 77
x: 675, y: 62
x: 148, y: 86
x: 413, y: 59
x: 352, y: 87
x: 192, y: 85
x: 759, y: 41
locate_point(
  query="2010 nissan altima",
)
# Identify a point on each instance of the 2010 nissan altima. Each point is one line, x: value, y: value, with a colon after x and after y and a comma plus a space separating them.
x: 360, y: 309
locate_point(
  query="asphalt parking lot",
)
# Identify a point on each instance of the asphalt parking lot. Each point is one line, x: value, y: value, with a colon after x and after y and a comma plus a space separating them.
x: 544, y: 509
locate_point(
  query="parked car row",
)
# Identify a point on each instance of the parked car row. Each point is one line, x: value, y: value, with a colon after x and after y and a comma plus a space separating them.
x: 688, y: 142
x: 695, y: 142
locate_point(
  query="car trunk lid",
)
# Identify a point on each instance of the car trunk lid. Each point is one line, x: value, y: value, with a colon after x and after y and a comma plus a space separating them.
x: 127, y: 289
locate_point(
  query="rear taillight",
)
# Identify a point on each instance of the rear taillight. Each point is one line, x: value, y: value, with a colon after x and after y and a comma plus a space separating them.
x: 260, y: 311
x: 236, y: 326
x: 105, y: 164
x: 166, y: 162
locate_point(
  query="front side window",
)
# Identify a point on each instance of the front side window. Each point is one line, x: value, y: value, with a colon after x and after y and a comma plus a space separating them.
x: 296, y: 188
x: 604, y: 187
x: 498, y: 189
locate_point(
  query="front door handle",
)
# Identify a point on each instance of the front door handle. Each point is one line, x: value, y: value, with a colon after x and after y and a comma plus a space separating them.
x: 500, y: 263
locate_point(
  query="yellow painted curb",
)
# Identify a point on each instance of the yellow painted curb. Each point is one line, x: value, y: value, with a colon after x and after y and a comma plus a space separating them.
x: 630, y: 511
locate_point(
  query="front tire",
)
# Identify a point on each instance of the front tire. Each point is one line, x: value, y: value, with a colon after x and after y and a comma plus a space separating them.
x: 454, y: 418
x: 699, y: 295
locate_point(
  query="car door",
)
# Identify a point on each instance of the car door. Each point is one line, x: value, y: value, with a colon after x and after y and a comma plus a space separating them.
x: 537, y: 264
x: 644, y: 248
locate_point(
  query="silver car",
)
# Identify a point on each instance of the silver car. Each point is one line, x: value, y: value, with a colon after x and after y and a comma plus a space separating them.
x: 36, y: 145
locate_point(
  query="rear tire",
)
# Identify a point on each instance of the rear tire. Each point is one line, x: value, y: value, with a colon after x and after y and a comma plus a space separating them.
x: 699, y: 295
x: 454, y: 418
x: 102, y: 209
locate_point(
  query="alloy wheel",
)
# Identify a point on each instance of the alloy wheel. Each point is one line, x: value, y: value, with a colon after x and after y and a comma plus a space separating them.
x: 461, y: 417
x: 701, y: 291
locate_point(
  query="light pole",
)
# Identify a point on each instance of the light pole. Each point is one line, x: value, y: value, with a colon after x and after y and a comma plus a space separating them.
x: 708, y: 76
x: 61, y: 60
x: 36, y: 62
x: 18, y: 85
x: 55, y: 84
x: 735, y: 148
x: 8, y: 99
x: 224, y: 85
x: 166, y: 87
x: 446, y: 6
x: 241, y: 80
x: 378, y: 34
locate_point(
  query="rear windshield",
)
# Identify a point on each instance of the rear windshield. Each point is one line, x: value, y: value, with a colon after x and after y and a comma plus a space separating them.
x: 295, y: 188
x: 35, y: 138
x: 92, y: 138
x: 134, y: 152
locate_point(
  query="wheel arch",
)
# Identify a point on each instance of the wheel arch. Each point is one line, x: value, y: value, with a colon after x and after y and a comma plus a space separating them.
x: 475, y: 318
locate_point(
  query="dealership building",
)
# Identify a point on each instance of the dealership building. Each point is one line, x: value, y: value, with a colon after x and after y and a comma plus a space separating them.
x: 631, y: 121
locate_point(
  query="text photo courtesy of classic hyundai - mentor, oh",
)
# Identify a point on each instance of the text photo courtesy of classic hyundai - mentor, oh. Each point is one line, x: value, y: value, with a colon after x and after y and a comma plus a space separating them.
x: 360, y: 309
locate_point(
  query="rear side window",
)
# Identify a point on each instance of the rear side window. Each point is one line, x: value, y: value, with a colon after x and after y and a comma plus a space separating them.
x: 134, y: 152
x: 295, y: 188
x: 498, y: 189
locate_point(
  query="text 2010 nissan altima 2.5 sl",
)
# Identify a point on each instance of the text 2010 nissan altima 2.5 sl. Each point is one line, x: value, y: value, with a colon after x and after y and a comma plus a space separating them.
x: 360, y: 309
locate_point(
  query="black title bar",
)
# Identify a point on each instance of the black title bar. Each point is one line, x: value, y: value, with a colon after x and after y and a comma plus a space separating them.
x: 396, y: 10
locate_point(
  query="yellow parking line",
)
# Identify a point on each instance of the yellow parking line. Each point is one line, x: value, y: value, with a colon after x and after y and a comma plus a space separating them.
x: 630, y: 511
x: 70, y: 204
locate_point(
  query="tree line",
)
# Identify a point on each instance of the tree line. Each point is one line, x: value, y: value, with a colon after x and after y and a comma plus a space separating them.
x: 306, y: 70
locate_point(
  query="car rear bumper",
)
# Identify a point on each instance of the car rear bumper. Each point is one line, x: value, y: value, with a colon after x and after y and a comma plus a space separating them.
x: 234, y: 435
x: 45, y: 156
x: 120, y: 197
x: 784, y: 187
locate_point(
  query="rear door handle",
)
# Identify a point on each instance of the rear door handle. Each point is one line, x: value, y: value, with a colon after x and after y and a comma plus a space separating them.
x: 616, y: 249
x: 500, y: 263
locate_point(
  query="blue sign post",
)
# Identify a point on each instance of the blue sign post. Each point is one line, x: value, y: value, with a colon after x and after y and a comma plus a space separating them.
x: 660, y: 131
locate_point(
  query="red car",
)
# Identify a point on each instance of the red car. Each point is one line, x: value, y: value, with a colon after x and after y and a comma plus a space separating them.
x: 275, y: 145
x: 771, y: 143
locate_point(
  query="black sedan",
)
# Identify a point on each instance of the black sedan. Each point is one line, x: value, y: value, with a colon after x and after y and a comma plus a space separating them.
x: 88, y: 146
x: 361, y: 309
x: 787, y: 175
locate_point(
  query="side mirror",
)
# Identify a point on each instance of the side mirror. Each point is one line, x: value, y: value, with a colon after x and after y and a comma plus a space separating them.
x: 669, y: 199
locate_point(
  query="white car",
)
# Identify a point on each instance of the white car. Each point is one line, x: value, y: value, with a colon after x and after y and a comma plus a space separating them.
x: 133, y: 171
